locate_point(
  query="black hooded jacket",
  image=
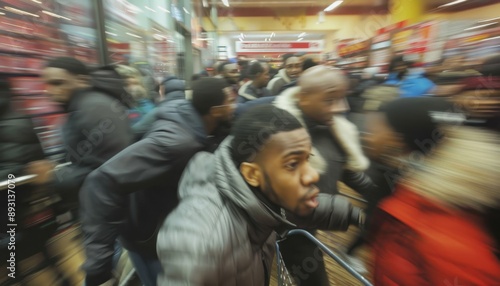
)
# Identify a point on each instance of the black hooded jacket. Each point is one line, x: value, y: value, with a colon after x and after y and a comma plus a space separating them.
x: 96, y: 129
x: 132, y: 193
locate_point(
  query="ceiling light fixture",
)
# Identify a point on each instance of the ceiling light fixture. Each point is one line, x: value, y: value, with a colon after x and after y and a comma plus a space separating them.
x: 480, y: 26
x: 205, y: 3
x: 335, y: 5
x: 301, y: 35
x: 225, y: 2
x: 185, y: 11
x: 452, y: 3
x: 299, y: 39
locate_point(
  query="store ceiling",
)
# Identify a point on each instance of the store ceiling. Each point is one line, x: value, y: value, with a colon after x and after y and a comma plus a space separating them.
x: 265, y: 7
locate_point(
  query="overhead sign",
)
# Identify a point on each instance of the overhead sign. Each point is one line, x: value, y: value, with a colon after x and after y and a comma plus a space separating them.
x: 284, y: 47
x: 353, y: 48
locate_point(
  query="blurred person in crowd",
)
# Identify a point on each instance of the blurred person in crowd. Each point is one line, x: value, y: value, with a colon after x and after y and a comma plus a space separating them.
x: 398, y: 68
x: 34, y: 205
x: 171, y: 88
x: 215, y: 70
x: 291, y: 71
x: 232, y: 203
x: 480, y: 95
x: 141, y: 105
x: 133, y: 192
x: 232, y: 75
x: 319, y: 103
x: 390, y: 157
x: 431, y: 230
x: 410, y: 77
x: 306, y: 64
x: 97, y: 126
x: 367, y: 80
x: 258, y: 73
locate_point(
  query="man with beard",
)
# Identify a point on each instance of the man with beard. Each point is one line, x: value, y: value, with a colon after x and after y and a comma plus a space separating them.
x: 291, y: 71
x: 132, y: 193
x: 231, y: 73
x: 257, y: 183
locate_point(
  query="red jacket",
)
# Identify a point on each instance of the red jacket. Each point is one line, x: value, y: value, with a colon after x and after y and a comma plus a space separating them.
x: 421, y: 242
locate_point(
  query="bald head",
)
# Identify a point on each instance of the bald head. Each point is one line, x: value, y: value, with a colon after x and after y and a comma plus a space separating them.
x: 322, y: 94
x: 322, y: 78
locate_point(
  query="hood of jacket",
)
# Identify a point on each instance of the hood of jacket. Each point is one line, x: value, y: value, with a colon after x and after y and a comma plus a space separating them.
x: 282, y: 74
x: 173, y: 84
x: 108, y: 81
x: 346, y: 133
x: 249, y: 92
x: 182, y: 113
x: 462, y: 171
x: 219, y: 170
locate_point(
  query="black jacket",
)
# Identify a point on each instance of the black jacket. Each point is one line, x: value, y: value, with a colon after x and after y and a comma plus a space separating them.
x: 97, y: 128
x: 19, y: 144
x: 132, y: 193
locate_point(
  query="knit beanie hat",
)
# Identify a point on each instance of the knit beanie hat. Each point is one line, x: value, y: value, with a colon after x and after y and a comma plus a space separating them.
x: 416, y: 119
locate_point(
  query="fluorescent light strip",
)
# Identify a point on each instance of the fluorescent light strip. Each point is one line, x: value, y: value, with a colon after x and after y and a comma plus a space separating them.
x: 133, y: 35
x: 163, y: 9
x: 20, y: 12
x: 480, y: 26
x: 299, y: 39
x: 225, y: 2
x: 186, y: 11
x: 335, y: 5
x: 301, y: 35
x: 55, y: 15
x: 112, y: 34
x: 489, y: 20
x: 2, y: 13
x: 452, y: 3
x: 154, y: 11
x: 36, y: 1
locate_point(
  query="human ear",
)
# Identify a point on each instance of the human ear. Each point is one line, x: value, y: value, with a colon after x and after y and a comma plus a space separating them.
x: 251, y: 173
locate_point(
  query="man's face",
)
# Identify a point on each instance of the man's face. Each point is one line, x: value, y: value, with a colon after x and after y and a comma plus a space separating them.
x: 322, y: 105
x: 383, y: 144
x: 226, y: 112
x: 282, y: 172
x: 60, y: 84
x: 293, y: 67
x: 231, y: 73
x: 262, y: 79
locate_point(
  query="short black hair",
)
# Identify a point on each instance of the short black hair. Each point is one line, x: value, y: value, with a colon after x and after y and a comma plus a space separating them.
x: 220, y: 68
x: 255, y: 127
x: 254, y: 69
x: 69, y: 64
x: 207, y: 93
x: 395, y: 61
x: 285, y: 57
x: 308, y: 63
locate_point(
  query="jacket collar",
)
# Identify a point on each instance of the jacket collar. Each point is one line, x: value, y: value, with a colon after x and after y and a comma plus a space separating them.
x: 342, y: 129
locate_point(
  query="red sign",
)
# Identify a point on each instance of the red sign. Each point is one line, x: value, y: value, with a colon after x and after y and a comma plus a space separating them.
x: 311, y: 46
x: 393, y: 27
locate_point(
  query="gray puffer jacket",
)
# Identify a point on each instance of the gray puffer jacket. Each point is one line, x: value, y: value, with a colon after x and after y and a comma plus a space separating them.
x: 222, y: 233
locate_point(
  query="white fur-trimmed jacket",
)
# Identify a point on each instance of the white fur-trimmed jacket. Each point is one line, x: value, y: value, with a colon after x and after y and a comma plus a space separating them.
x: 343, y: 130
x: 346, y: 134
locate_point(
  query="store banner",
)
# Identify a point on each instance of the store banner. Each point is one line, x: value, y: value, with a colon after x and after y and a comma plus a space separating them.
x: 266, y: 47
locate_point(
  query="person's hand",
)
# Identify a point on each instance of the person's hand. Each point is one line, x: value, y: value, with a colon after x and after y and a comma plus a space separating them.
x: 43, y: 169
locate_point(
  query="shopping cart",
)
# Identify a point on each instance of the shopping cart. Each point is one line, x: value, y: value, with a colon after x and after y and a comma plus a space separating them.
x: 284, y: 277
